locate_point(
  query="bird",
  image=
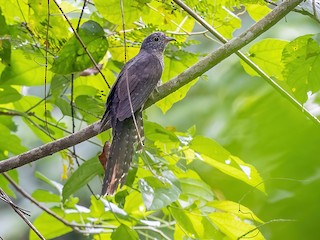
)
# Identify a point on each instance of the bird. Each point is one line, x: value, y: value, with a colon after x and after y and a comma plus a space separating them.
x: 134, y: 84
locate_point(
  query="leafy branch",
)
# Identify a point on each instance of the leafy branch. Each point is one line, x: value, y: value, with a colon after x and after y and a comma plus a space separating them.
x: 174, y: 84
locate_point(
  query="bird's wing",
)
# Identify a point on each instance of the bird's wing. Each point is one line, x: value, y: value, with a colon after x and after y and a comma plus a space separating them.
x: 141, y: 77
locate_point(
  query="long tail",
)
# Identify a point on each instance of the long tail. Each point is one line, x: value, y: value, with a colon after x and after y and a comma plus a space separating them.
x: 121, y: 154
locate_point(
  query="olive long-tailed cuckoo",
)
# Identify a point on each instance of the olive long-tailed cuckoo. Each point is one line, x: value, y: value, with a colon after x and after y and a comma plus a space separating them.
x: 135, y: 82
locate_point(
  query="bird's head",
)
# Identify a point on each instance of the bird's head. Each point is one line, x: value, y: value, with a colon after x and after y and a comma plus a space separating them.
x: 156, y: 41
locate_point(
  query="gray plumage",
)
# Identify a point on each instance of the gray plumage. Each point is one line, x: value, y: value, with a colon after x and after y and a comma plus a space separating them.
x: 137, y: 79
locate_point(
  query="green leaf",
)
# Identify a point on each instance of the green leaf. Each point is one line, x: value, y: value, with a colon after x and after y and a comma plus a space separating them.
x: 301, y: 59
x: 97, y: 207
x: 91, y: 104
x: 195, y: 224
x: 49, y: 227
x: 234, y: 227
x: 5, y: 50
x: 13, y: 11
x: 124, y: 232
x: 25, y: 69
x: 64, y: 106
x: 8, y: 94
x: 111, y: 10
x: 59, y: 84
x: 5, y: 184
x: 156, y: 193
x: 73, y: 58
x: 45, y: 196
x: 174, y: 66
x: 196, y: 188
x: 267, y: 55
x: 218, y: 14
x: 235, y: 209
x: 168, y: 17
x: 10, y: 142
x: 215, y: 155
x: 59, y: 29
x: 257, y: 11
x: 134, y: 205
x: 226, y: 22
x: 82, y: 176
x: 156, y: 132
x: 52, y: 183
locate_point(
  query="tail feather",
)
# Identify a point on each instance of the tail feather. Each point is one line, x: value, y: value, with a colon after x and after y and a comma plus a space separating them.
x: 121, y: 153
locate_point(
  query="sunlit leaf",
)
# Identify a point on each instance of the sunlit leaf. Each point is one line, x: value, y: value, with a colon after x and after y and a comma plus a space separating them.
x: 13, y: 11
x: 5, y: 184
x: 215, y: 155
x: 10, y: 142
x: 25, y: 69
x: 134, y: 205
x: 124, y: 232
x: 301, y: 59
x: 257, y: 11
x: 195, y: 225
x: 49, y: 227
x: 97, y: 207
x: 267, y: 55
x: 234, y: 227
x: 45, y: 196
x: 168, y: 17
x: 236, y: 209
x: 111, y: 10
x: 173, y: 67
x: 59, y: 29
x: 226, y: 22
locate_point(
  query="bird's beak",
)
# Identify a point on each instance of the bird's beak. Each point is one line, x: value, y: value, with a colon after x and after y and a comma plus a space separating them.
x: 169, y: 39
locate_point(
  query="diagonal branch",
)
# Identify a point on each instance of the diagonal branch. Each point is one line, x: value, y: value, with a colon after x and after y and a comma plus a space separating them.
x: 174, y: 84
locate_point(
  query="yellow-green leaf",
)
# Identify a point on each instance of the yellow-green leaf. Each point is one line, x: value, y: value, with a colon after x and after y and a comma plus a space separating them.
x: 217, y: 156
x: 267, y: 55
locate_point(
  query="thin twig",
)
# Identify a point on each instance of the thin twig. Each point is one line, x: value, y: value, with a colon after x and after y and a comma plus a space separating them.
x: 46, y: 69
x: 81, y: 14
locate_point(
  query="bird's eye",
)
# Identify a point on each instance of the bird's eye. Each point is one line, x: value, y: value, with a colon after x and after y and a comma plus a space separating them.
x: 156, y: 39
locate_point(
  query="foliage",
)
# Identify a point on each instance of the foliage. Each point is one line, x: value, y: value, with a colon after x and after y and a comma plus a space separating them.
x: 182, y: 185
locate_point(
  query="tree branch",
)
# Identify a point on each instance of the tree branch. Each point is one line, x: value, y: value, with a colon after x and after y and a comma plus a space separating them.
x: 169, y: 87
